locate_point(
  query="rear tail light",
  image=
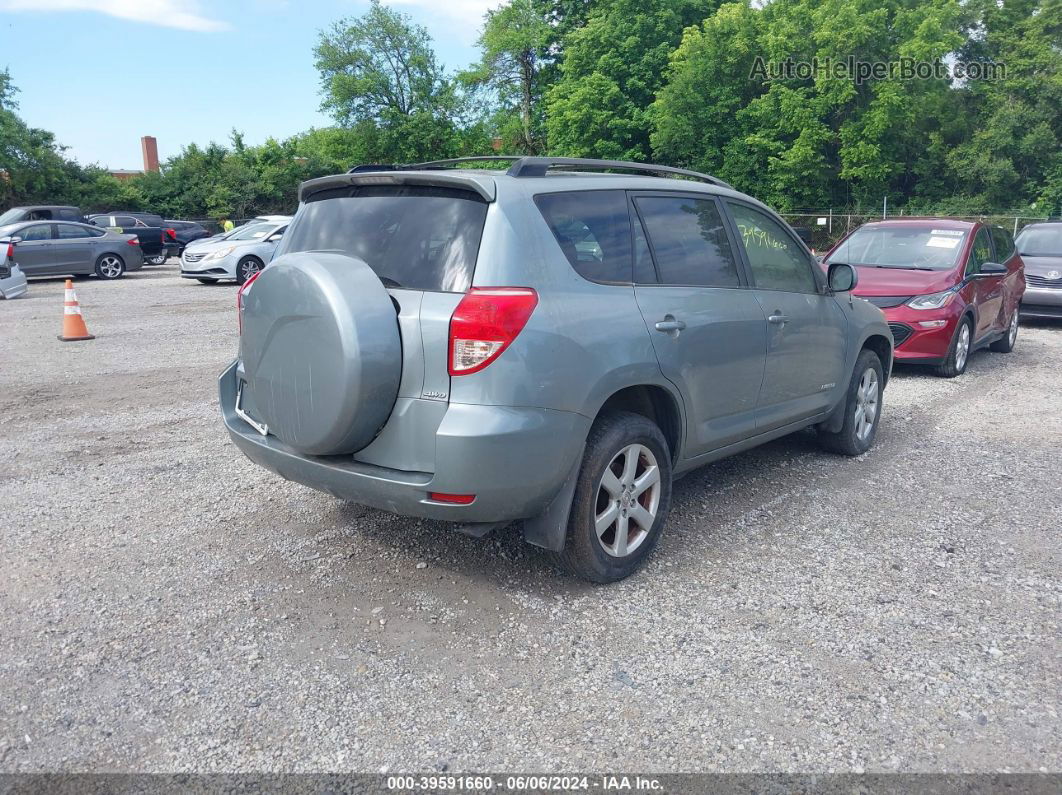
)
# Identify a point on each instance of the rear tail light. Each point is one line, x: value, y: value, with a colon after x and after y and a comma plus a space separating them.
x: 172, y: 233
x: 133, y: 242
x: 486, y: 321
x: 245, y: 288
x: 10, y: 250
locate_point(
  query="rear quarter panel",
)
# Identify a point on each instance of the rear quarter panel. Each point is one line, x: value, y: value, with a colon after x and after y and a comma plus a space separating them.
x: 584, y: 341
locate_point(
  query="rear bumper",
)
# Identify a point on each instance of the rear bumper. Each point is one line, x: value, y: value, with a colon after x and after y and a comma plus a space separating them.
x: 1042, y: 302
x: 514, y: 460
x: 13, y: 285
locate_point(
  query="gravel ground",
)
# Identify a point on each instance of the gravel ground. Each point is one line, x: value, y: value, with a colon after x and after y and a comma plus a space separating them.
x: 168, y: 606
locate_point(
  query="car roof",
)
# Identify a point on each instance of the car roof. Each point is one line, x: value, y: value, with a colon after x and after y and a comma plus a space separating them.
x: 924, y: 223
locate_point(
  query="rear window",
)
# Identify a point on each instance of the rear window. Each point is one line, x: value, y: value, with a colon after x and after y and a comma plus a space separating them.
x: 413, y: 236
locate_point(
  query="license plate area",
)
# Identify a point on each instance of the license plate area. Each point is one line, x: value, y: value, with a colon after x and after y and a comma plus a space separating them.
x: 243, y: 415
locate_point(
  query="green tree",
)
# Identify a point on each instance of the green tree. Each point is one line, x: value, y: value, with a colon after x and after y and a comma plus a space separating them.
x: 514, y: 39
x: 1014, y: 152
x: 612, y: 68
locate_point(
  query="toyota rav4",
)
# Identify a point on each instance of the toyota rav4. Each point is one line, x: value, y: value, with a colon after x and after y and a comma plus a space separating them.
x: 551, y: 344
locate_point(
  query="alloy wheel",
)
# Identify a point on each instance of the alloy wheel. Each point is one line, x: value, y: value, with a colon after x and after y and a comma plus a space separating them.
x: 866, y: 412
x: 248, y: 268
x: 628, y: 499
x: 962, y: 346
x: 110, y: 267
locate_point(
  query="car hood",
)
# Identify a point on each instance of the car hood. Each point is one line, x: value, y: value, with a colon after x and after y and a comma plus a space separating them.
x: 1041, y: 266
x: 214, y: 245
x: 897, y: 281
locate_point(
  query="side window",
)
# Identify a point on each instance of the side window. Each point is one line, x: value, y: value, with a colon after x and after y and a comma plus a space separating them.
x: 1004, y: 244
x: 70, y: 232
x: 981, y: 253
x: 103, y: 220
x: 124, y: 221
x: 777, y: 262
x: 689, y: 241
x: 68, y: 215
x: 593, y: 229
x: 37, y: 232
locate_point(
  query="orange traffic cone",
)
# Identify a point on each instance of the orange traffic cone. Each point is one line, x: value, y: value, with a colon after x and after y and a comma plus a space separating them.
x: 73, y: 324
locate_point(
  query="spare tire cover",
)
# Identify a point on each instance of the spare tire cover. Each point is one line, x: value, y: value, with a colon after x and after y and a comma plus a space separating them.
x: 322, y: 352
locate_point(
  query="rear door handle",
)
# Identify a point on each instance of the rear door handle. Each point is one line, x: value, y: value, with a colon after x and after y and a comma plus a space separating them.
x: 778, y: 319
x: 670, y: 324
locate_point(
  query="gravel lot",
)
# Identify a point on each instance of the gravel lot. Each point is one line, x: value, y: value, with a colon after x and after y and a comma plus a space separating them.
x: 168, y: 606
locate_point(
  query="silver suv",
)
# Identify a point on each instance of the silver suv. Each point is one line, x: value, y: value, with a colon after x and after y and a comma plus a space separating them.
x: 548, y: 344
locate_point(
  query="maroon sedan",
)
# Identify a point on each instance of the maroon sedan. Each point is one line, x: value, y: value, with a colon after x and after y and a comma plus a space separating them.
x: 946, y: 287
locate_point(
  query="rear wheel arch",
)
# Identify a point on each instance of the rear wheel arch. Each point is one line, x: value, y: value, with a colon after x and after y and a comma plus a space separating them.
x: 656, y: 404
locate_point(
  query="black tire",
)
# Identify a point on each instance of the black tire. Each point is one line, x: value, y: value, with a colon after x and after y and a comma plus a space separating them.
x: 156, y: 259
x: 110, y: 267
x: 955, y: 363
x: 244, y: 268
x: 853, y: 438
x: 584, y: 553
x: 1006, y: 343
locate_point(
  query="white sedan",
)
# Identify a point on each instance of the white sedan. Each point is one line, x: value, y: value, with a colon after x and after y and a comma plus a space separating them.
x: 237, y: 256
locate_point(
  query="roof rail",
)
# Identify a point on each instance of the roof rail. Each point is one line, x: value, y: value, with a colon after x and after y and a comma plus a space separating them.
x: 529, y: 166
x: 432, y: 164
x: 538, y: 166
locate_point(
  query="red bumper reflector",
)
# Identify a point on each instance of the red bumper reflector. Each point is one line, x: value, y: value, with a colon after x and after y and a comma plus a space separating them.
x: 456, y: 499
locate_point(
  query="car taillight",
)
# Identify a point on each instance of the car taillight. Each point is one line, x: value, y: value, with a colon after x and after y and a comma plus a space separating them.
x: 172, y: 233
x: 133, y: 242
x: 244, y: 289
x: 10, y: 250
x: 484, y: 323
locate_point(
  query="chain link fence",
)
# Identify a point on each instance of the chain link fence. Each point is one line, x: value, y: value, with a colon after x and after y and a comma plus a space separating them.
x: 820, y: 230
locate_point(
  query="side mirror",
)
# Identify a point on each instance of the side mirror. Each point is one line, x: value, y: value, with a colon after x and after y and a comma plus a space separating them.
x: 274, y: 237
x: 841, y: 277
x: 10, y: 240
x: 992, y: 269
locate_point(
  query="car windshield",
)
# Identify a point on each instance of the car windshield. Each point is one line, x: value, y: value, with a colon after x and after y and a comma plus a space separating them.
x: 8, y: 229
x: 11, y: 216
x: 419, y: 237
x: 251, y: 232
x: 1034, y: 241
x: 912, y: 248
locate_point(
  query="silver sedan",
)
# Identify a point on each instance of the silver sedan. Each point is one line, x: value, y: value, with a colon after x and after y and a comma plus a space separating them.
x: 51, y: 248
x: 238, y: 255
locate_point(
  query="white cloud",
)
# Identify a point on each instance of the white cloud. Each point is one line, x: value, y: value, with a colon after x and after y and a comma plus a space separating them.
x: 470, y: 11
x: 167, y: 13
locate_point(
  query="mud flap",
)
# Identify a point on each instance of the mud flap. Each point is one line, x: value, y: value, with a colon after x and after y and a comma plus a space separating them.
x: 549, y: 528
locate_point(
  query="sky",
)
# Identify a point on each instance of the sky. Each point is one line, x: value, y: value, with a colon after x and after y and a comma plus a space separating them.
x: 102, y: 73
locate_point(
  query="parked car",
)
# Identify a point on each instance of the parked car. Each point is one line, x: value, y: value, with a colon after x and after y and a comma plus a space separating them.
x: 157, y: 241
x: 186, y: 232
x: 947, y: 287
x: 238, y: 256
x: 482, y: 347
x: 1040, y: 246
x: 41, y: 212
x: 12, y: 279
x: 61, y: 249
